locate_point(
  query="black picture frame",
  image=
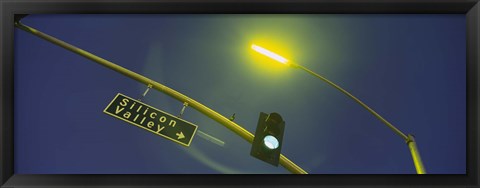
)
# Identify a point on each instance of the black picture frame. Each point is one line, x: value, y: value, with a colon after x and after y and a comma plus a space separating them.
x: 9, y: 9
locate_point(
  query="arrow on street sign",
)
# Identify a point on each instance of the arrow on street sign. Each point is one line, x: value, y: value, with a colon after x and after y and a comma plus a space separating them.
x: 151, y: 119
x: 180, y: 135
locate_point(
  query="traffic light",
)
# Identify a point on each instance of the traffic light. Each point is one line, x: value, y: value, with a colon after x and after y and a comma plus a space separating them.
x: 267, y: 142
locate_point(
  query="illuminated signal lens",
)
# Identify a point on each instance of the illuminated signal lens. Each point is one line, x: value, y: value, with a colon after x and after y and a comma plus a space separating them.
x: 271, y: 142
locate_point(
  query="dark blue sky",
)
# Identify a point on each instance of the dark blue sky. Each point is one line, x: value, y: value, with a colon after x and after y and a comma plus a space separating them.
x: 408, y: 68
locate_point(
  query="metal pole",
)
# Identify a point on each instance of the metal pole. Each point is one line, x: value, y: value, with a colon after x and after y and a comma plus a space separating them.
x: 408, y: 139
x: 237, y: 129
x: 417, y: 160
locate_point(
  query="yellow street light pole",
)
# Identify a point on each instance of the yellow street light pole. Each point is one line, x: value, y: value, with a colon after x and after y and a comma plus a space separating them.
x: 237, y: 129
x: 409, y: 139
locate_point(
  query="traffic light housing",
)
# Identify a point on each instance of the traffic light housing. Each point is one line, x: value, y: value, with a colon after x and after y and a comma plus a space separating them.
x: 267, y: 143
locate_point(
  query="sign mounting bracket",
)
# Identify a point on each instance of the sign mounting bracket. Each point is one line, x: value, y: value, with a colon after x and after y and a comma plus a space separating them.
x: 146, y: 91
x: 185, y: 104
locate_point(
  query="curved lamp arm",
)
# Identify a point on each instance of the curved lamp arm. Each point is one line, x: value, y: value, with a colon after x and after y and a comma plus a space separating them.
x: 409, y: 139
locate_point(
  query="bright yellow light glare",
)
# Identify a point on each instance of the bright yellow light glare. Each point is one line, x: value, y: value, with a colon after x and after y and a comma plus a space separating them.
x: 269, y: 54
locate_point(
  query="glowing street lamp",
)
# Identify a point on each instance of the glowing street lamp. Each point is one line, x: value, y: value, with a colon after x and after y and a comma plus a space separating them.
x: 269, y: 54
x: 409, y: 139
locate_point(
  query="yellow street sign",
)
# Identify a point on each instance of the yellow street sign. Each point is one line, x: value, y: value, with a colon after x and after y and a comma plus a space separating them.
x: 151, y: 119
